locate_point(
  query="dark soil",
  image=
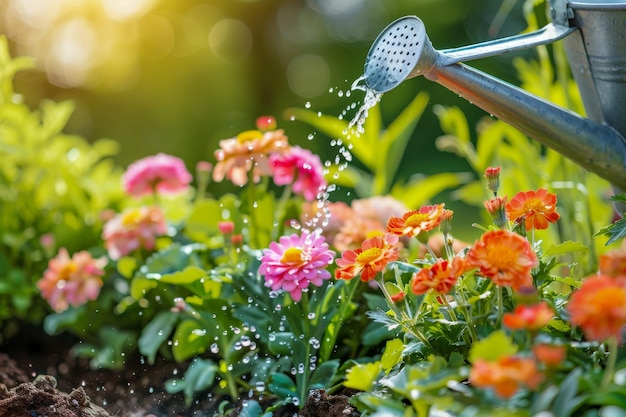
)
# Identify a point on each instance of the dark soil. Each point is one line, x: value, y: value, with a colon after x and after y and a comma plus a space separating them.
x: 40, y: 377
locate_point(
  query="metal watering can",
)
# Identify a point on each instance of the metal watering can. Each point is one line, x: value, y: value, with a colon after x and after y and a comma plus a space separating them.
x: 594, y: 36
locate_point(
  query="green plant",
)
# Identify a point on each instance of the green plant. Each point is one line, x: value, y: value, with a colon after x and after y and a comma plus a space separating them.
x: 53, y: 188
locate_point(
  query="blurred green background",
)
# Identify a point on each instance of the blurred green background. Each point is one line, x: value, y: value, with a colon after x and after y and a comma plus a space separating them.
x: 177, y: 76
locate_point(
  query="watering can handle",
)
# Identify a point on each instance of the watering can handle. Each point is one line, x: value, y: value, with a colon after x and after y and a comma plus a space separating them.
x: 549, y: 33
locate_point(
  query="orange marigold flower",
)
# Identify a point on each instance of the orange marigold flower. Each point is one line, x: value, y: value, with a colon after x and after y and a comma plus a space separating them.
x: 504, y: 257
x: 375, y: 253
x: 440, y: 277
x: 613, y: 263
x: 415, y: 222
x: 529, y: 317
x: 550, y: 355
x: 506, y: 375
x: 535, y: 208
x: 599, y: 307
x: 248, y: 151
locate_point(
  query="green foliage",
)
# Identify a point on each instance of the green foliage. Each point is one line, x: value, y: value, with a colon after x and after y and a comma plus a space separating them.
x: 51, y: 185
x: 379, y: 150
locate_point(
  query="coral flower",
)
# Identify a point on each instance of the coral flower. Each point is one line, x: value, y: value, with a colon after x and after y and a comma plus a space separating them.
x: 504, y: 257
x: 529, y: 317
x: 71, y: 281
x: 613, y: 263
x: 492, y: 174
x: 440, y: 277
x: 550, y: 355
x: 415, y: 222
x: 301, y: 168
x: 295, y: 262
x: 375, y: 253
x: 599, y: 307
x: 161, y: 173
x: 133, y: 229
x: 506, y: 375
x: 535, y: 208
x: 249, y: 151
x: 496, y: 208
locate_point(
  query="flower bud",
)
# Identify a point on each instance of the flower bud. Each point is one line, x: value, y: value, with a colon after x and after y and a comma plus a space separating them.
x: 493, y: 179
x: 266, y: 123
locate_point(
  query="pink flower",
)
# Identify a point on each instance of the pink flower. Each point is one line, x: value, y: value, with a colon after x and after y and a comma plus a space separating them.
x: 71, y: 281
x: 300, y: 163
x: 295, y: 262
x: 160, y: 173
x: 133, y: 229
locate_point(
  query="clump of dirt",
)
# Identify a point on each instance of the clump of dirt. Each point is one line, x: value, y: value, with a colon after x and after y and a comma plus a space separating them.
x: 320, y: 404
x: 41, y: 398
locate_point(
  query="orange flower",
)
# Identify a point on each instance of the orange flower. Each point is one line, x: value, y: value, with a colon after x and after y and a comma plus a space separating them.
x: 530, y: 318
x: 550, y: 355
x: 506, y: 375
x: 535, y: 208
x: 375, y: 253
x: 415, y: 222
x: 599, y: 307
x: 440, y: 277
x: 613, y: 263
x: 496, y: 208
x: 504, y: 257
x: 492, y: 174
x: 248, y: 151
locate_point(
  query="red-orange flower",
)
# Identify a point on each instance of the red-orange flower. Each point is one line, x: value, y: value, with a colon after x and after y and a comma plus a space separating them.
x: 613, y: 263
x: 414, y: 222
x: 506, y: 375
x: 504, y: 257
x: 375, y: 253
x: 535, y: 208
x: 530, y: 318
x: 496, y: 208
x: 599, y: 307
x: 440, y: 277
x: 550, y: 355
x: 492, y: 174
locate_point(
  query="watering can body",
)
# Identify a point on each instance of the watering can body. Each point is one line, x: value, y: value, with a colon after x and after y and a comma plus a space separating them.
x: 594, y: 36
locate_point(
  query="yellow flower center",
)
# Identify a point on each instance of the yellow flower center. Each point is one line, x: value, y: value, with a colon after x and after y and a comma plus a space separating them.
x: 249, y: 136
x: 368, y: 256
x: 502, y: 257
x: 534, y: 206
x: 132, y: 217
x: 416, y: 219
x: 67, y: 270
x: 292, y: 256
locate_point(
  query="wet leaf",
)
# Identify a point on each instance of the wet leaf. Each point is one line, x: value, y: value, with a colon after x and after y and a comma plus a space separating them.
x: 363, y: 376
x: 156, y: 333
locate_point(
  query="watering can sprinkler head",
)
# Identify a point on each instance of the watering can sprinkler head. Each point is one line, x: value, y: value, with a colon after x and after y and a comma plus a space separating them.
x: 594, y: 35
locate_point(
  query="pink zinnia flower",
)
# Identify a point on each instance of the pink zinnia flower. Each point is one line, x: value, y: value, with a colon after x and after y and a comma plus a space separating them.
x: 301, y: 168
x: 295, y: 262
x: 133, y: 229
x: 71, y: 281
x: 161, y: 173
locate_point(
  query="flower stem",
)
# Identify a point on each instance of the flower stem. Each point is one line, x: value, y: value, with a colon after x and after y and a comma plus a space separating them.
x: 610, y: 364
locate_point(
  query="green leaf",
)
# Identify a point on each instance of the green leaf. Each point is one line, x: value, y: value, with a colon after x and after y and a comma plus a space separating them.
x: 186, y: 276
x: 324, y: 374
x: 139, y: 286
x: 615, y: 231
x: 155, y: 333
x: 564, y: 402
x: 252, y: 409
x: 199, y: 376
x: 282, y: 386
x: 281, y: 343
x: 363, y: 376
x: 126, y: 266
x: 189, y: 339
x: 565, y: 248
x: 392, y: 354
x: 493, y: 347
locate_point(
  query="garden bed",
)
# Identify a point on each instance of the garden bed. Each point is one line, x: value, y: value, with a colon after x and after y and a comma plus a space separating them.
x: 136, y: 391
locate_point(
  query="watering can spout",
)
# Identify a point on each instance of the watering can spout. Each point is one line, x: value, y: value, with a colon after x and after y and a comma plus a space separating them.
x: 596, y: 142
